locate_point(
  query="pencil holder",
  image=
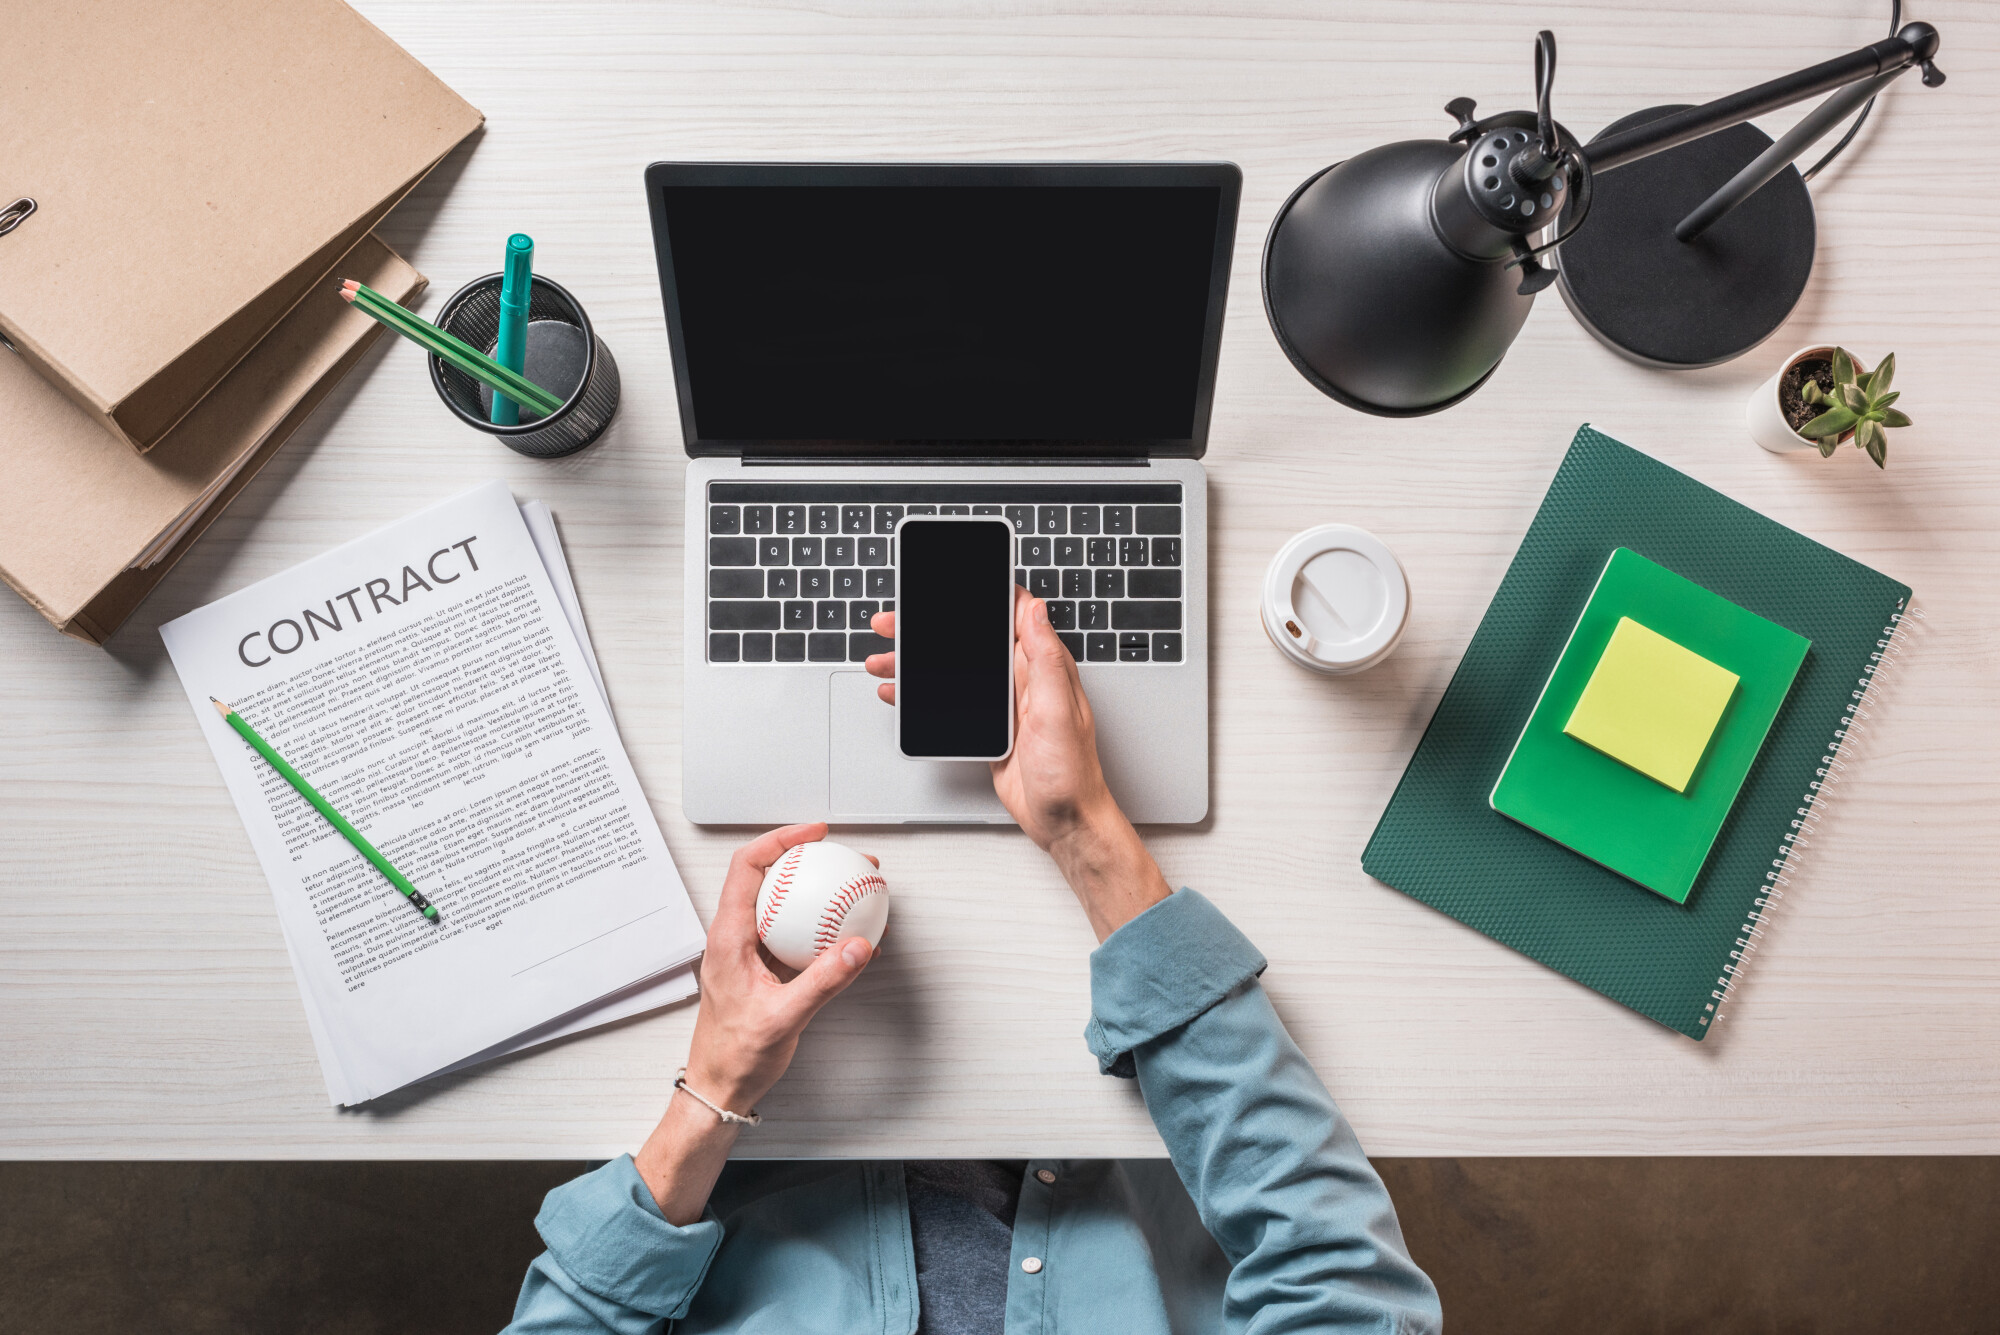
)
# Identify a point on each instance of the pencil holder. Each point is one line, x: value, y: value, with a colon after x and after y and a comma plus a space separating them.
x: 565, y: 357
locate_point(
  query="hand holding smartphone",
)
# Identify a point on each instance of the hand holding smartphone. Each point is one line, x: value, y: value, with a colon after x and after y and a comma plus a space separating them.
x: 955, y: 637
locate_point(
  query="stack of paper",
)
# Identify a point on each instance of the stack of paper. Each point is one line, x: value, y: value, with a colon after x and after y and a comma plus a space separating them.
x: 434, y: 682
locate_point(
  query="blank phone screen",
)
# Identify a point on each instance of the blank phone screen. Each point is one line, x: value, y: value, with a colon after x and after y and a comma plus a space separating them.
x: 954, y: 636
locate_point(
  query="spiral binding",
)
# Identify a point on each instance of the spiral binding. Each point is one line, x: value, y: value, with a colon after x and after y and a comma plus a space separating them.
x: 1881, y: 671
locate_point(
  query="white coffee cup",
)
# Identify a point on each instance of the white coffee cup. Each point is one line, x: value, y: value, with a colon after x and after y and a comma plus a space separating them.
x: 1335, y: 600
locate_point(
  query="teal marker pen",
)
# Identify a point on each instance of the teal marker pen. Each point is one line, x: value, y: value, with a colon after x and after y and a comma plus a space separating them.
x: 511, y: 347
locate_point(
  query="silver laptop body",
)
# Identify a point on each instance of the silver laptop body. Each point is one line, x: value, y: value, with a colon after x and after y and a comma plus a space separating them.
x: 788, y: 552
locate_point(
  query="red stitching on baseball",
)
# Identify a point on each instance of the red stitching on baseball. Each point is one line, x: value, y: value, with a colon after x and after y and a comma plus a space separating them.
x: 782, y: 887
x: 843, y: 902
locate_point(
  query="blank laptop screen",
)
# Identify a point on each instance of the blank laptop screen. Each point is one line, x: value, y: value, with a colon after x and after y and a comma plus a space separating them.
x: 944, y: 314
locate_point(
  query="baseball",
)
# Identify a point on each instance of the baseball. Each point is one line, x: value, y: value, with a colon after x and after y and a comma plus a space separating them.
x: 817, y: 894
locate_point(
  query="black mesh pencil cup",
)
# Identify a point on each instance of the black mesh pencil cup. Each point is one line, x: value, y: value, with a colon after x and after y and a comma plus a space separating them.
x: 565, y: 357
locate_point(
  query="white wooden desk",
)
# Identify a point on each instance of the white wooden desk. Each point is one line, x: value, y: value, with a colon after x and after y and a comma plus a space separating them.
x: 146, y: 1007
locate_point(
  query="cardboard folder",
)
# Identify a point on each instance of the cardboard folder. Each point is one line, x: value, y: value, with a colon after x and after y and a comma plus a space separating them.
x: 196, y: 168
x: 79, y: 510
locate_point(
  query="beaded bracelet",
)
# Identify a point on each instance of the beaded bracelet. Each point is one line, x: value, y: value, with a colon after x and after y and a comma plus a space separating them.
x: 751, y: 1118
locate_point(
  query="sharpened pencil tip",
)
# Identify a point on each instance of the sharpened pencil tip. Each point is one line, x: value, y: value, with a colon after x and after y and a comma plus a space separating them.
x: 220, y: 708
x: 347, y: 296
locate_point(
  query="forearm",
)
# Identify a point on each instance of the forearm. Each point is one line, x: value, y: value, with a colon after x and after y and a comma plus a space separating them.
x: 1108, y: 868
x: 682, y: 1158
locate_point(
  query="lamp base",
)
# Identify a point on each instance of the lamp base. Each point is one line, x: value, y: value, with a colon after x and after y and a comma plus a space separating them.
x: 1679, y: 305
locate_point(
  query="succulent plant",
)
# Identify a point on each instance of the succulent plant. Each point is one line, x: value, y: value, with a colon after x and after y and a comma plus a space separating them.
x: 1861, y: 404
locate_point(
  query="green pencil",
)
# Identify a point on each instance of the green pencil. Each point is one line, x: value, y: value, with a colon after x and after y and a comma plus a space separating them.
x: 450, y: 348
x: 320, y: 804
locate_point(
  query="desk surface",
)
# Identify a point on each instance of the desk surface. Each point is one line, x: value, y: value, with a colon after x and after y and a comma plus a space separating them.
x: 146, y: 1007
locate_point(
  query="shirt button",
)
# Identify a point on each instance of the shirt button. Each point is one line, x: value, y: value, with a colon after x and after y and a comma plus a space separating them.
x: 1045, y: 1176
x: 1033, y: 1265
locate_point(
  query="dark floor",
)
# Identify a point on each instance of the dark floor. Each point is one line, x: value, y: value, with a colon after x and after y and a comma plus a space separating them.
x: 1786, y: 1246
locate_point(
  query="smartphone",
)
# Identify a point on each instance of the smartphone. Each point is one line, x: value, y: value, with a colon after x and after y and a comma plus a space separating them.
x: 955, y: 637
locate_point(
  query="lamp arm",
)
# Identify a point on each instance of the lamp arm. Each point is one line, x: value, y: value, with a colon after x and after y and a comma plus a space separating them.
x: 1915, y: 44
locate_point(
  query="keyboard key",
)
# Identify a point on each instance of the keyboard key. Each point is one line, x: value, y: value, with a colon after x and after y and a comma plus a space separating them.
x: 889, y: 606
x: 1101, y: 551
x: 1145, y: 616
x: 1069, y: 551
x: 736, y: 584
x: 1166, y: 646
x: 1093, y: 615
x: 1132, y: 648
x: 1062, y: 615
x: 1083, y: 519
x: 805, y: 551
x: 864, y: 643
x: 847, y: 582
x: 881, y: 584
x: 1022, y: 517
x: 732, y: 551
x: 1131, y: 551
x: 872, y: 551
x: 789, y: 648
x: 756, y: 519
x: 757, y: 646
x: 1045, y: 582
x: 825, y: 519
x: 840, y: 551
x: 1052, y: 519
x: 724, y: 648
x: 798, y: 616
x: 1153, y: 583
x: 1117, y: 519
x: 728, y: 614
x: 1076, y: 583
x: 1020, y: 577
x: 886, y: 518
x: 832, y: 615
x: 781, y: 584
x: 815, y: 583
x: 954, y: 509
x: 1034, y: 551
x: 773, y: 552
x: 1072, y: 642
x: 1104, y: 648
x: 920, y: 509
x: 855, y: 518
x: 860, y: 614
x: 1111, y: 583
x: 986, y: 509
x: 826, y: 647
x: 1166, y: 551
x: 725, y: 519
x: 791, y: 519
x: 1159, y: 519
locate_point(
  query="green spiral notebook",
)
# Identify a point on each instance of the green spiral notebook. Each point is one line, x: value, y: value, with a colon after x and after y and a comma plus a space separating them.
x: 1441, y: 842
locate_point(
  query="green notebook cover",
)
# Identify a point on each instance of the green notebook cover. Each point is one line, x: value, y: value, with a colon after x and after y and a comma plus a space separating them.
x: 1441, y: 843
x: 1603, y: 808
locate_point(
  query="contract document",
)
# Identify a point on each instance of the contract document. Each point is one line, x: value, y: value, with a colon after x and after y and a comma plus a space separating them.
x: 433, y: 682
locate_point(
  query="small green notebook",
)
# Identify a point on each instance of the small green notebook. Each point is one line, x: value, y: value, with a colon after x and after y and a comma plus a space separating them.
x: 1629, y: 817
x: 1440, y: 842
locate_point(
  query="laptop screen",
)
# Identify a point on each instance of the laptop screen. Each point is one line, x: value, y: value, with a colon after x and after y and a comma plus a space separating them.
x: 945, y: 310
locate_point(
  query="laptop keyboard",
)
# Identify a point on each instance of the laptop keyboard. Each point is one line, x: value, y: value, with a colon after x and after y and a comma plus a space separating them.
x: 797, y: 569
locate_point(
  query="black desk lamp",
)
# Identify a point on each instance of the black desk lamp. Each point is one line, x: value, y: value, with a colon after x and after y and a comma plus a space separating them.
x: 1396, y: 280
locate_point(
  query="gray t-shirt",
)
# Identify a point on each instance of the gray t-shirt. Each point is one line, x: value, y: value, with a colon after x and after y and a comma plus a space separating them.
x: 962, y: 1229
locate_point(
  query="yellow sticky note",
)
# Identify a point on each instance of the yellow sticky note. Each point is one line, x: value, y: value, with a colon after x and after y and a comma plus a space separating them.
x: 1651, y: 704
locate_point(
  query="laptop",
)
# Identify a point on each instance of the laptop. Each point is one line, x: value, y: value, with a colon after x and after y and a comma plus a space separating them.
x: 857, y: 342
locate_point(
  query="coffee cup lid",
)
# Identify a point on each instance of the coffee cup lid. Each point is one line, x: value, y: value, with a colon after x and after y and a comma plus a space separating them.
x: 1335, y: 598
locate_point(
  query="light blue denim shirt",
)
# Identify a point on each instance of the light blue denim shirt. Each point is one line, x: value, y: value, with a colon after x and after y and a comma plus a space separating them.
x: 1268, y: 1219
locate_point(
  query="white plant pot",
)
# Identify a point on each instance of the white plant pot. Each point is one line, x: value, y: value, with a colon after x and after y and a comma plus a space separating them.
x: 1768, y: 426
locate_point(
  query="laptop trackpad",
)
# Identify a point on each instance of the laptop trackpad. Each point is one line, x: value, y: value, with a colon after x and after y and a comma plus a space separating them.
x: 871, y: 780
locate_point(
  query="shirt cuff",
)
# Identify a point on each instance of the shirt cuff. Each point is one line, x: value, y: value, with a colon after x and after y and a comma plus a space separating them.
x: 607, y: 1233
x: 1161, y: 970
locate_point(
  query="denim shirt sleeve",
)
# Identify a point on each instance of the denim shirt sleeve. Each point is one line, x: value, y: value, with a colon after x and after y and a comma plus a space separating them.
x: 613, y: 1262
x: 1277, y: 1174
